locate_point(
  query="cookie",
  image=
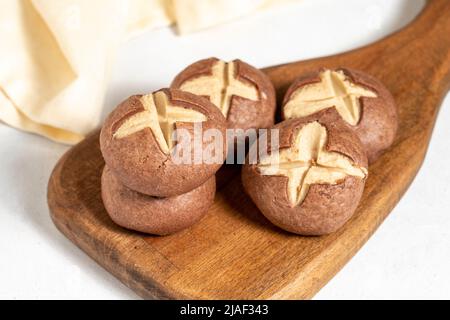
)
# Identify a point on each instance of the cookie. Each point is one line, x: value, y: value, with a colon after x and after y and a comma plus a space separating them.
x: 313, y: 185
x: 244, y: 94
x: 362, y: 101
x: 158, y: 144
x: 153, y: 215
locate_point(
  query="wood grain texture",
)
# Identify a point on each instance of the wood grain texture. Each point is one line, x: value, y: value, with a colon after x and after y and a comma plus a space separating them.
x: 234, y: 253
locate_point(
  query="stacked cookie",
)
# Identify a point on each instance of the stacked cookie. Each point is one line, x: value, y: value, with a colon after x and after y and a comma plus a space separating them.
x: 147, y: 185
x: 144, y: 188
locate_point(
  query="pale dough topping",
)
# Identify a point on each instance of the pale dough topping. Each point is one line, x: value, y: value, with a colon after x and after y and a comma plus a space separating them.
x: 160, y: 116
x: 307, y: 162
x: 221, y: 86
x: 334, y: 89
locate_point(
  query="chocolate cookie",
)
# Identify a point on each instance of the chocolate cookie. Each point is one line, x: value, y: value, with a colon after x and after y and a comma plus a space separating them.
x: 313, y: 185
x: 244, y: 94
x: 160, y: 216
x: 361, y: 100
x: 158, y: 144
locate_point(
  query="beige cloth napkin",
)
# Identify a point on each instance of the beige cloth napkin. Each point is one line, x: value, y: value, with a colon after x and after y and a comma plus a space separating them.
x: 55, y: 56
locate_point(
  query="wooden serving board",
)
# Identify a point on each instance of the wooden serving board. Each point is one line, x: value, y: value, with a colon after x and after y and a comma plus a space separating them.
x: 234, y: 253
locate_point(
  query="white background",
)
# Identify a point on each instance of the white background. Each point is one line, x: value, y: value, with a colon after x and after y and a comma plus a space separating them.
x: 408, y: 257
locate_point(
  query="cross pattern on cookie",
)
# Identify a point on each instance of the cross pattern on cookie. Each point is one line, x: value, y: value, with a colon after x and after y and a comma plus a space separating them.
x: 161, y: 117
x: 221, y: 86
x: 307, y: 162
x: 334, y: 89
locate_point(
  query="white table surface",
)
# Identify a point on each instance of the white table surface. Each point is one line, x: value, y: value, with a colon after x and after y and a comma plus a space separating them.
x: 408, y: 257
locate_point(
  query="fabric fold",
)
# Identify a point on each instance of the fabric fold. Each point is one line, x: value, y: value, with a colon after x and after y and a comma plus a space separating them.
x: 56, y: 56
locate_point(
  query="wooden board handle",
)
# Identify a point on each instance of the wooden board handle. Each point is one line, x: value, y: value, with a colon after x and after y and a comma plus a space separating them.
x: 426, y: 45
x: 419, y: 55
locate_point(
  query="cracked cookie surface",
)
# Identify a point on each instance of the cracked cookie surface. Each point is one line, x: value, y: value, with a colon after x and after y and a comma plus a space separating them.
x: 307, y: 162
